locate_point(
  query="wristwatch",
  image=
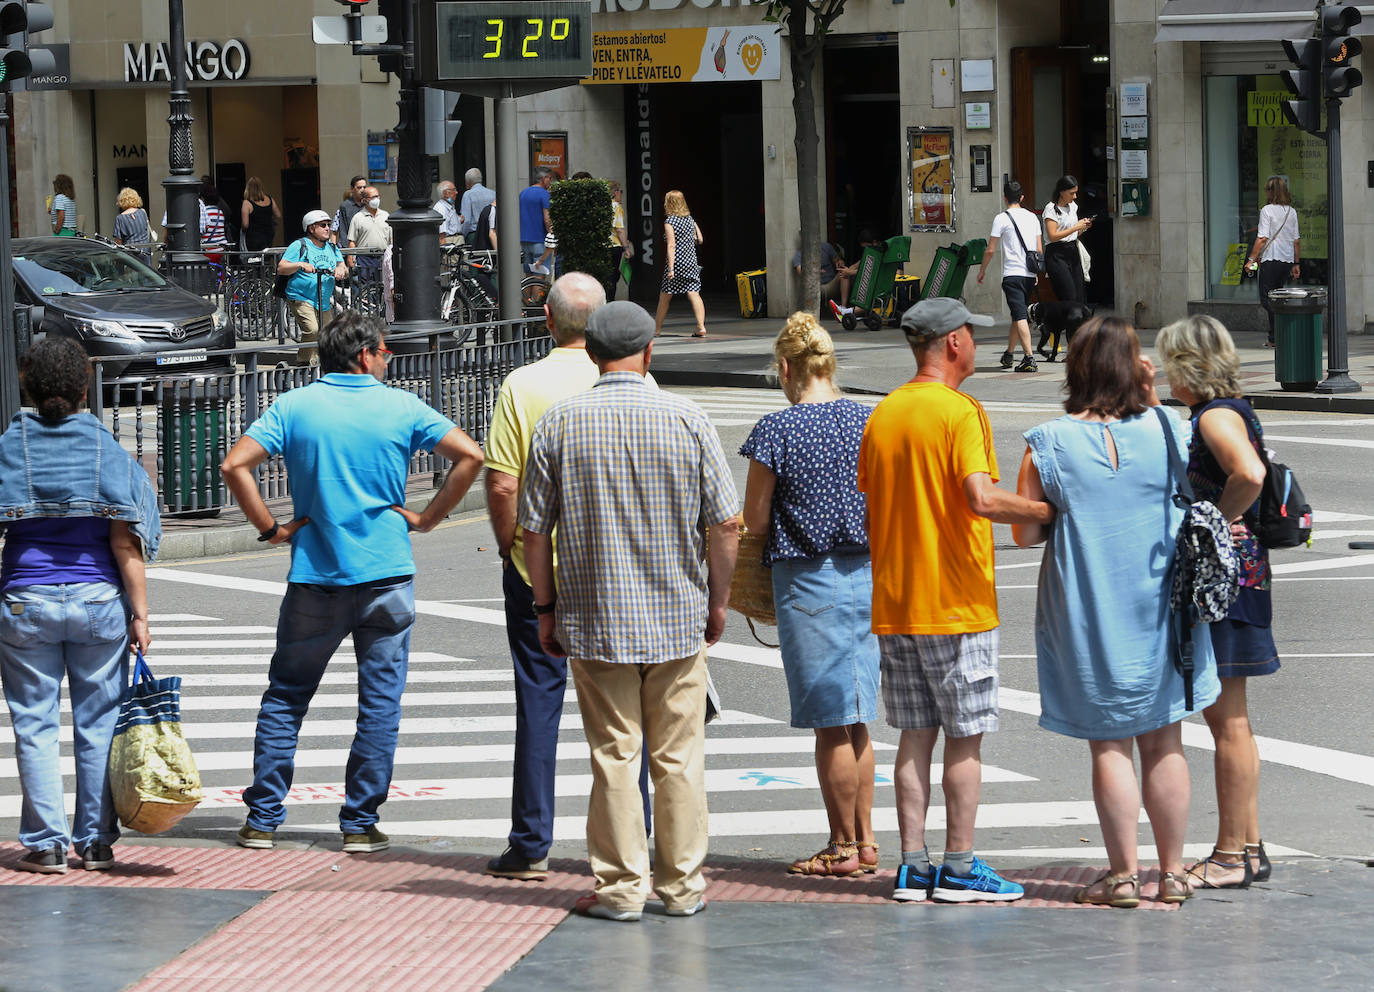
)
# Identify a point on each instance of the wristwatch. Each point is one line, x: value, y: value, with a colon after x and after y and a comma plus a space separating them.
x: 544, y: 609
x: 269, y: 533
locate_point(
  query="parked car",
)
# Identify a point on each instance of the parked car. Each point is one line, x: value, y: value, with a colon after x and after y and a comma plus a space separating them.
x: 109, y: 299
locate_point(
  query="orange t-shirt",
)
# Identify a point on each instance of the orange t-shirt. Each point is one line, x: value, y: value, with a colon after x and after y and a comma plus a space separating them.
x: 932, y: 555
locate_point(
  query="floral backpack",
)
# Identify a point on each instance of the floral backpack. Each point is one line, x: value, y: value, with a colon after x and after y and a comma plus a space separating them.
x: 1206, y: 579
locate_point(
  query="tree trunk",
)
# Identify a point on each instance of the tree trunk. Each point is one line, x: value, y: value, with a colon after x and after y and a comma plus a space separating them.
x: 804, y: 49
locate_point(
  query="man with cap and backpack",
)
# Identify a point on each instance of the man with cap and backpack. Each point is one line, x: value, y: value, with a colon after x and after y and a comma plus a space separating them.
x: 312, y: 263
x: 633, y: 479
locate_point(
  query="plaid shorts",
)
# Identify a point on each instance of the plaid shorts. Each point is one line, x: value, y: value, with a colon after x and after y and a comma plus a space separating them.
x: 940, y: 680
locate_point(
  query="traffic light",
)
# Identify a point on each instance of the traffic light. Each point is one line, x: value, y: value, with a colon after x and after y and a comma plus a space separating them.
x: 17, y: 60
x: 1339, y: 48
x: 439, y: 130
x: 395, y: 14
x: 1304, y: 81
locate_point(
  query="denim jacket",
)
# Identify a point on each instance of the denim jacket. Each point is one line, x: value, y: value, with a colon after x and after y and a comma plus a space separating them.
x: 74, y: 467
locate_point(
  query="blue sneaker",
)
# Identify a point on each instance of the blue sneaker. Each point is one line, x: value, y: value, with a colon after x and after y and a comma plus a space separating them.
x: 913, y: 885
x: 981, y: 885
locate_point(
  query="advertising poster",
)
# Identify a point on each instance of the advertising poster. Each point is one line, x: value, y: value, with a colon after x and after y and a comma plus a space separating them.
x: 1284, y: 150
x: 549, y: 149
x: 685, y: 55
x: 931, y: 172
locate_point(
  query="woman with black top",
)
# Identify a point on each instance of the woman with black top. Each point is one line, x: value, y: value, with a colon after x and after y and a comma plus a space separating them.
x: 259, y: 216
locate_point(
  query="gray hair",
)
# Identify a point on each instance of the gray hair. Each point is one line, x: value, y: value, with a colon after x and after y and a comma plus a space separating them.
x: 540, y: 174
x: 341, y: 340
x: 1198, y: 353
x: 572, y: 300
x: 472, y: 176
x: 447, y: 185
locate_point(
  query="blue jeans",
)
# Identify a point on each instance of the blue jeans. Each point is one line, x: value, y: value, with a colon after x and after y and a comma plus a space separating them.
x: 313, y: 622
x: 540, y: 683
x: 80, y: 630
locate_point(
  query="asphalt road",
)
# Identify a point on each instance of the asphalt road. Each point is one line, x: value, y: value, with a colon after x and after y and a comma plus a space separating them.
x: 213, y: 624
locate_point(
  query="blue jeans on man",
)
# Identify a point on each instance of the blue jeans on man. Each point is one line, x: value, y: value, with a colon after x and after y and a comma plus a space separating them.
x: 313, y: 622
x: 540, y: 682
x: 78, y: 630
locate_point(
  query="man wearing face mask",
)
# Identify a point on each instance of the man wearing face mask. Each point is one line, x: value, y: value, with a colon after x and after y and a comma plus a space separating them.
x: 369, y: 229
x: 446, y: 208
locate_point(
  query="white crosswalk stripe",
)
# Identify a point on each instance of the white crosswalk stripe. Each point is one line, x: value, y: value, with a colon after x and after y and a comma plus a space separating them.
x: 735, y: 407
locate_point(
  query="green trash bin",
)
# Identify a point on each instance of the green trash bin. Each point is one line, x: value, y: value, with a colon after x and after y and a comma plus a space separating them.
x: 193, y: 417
x: 1298, y: 336
x: 949, y: 268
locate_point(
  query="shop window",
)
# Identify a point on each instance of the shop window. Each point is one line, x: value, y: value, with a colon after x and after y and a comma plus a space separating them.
x: 1247, y: 140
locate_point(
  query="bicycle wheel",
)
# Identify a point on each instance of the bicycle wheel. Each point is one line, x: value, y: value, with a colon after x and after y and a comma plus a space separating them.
x: 533, y: 292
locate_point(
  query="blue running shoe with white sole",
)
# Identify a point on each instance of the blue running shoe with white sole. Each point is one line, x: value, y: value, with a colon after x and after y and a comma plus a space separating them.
x: 980, y: 885
x: 913, y: 885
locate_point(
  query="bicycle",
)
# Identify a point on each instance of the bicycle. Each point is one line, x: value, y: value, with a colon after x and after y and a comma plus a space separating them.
x: 471, y: 298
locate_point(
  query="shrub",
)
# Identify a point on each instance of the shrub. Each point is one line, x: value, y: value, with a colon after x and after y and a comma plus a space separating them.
x: 580, y: 210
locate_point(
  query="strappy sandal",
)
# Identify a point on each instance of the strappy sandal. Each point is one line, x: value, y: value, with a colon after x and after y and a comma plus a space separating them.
x: 870, y: 864
x: 1203, y: 875
x: 838, y: 860
x: 1261, y: 857
x: 1174, y: 889
x: 1103, y: 892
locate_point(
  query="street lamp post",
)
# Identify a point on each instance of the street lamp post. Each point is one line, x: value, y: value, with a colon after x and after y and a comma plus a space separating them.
x: 186, y: 266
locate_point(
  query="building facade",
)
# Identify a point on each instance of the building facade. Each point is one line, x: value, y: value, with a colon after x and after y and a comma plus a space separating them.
x: 1165, y: 110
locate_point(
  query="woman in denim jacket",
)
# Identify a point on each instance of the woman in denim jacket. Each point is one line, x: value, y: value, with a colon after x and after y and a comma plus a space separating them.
x: 78, y: 515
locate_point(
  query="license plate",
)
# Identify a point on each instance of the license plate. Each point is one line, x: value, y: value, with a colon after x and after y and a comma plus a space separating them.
x: 182, y: 358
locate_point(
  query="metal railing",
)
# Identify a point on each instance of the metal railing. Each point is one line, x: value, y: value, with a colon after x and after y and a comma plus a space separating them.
x: 179, y: 428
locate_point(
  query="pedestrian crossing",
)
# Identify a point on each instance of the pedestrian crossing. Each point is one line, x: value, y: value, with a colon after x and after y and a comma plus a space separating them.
x: 736, y: 407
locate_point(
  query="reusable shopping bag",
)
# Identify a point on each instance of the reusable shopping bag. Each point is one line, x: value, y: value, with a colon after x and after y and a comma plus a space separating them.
x: 152, y: 773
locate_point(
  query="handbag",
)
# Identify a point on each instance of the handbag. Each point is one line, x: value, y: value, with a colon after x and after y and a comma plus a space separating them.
x: 751, y: 587
x: 1085, y: 261
x: 1206, y: 577
x: 279, y: 284
x: 153, y: 777
x: 1035, y: 261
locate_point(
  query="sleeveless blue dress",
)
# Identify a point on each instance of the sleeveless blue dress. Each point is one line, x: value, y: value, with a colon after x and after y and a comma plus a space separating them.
x: 1103, y: 641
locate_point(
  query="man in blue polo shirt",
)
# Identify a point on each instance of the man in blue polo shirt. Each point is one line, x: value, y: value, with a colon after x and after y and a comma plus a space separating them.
x: 313, y: 263
x: 347, y: 440
x: 534, y: 216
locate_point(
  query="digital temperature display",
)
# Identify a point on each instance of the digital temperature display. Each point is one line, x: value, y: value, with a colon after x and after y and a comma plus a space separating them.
x: 535, y: 40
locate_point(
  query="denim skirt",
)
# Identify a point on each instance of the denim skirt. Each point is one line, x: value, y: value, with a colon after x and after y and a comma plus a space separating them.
x: 829, y: 651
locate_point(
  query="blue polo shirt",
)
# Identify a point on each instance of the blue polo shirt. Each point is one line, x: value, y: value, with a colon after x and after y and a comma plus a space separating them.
x: 347, y: 440
x: 534, y: 200
x: 301, y: 286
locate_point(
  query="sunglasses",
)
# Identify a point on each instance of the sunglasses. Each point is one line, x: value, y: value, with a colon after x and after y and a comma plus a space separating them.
x: 386, y: 353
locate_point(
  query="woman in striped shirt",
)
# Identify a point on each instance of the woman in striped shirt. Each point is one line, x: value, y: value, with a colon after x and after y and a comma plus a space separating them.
x: 63, y: 210
x: 212, y: 239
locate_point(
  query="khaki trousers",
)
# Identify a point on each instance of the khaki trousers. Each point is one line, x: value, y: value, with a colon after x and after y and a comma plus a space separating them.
x: 305, y: 315
x: 661, y: 706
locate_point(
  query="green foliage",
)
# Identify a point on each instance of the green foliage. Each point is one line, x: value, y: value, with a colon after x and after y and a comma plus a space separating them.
x: 581, y: 213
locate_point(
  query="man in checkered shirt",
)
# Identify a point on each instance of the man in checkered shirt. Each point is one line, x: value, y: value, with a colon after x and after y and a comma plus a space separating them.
x: 634, y: 479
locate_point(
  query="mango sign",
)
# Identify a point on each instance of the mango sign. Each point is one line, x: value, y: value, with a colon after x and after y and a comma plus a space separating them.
x: 685, y: 55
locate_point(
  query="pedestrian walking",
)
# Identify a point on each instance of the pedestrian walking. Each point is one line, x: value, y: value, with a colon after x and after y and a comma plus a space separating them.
x: 621, y: 247
x: 313, y: 263
x: 1015, y: 229
x: 1103, y: 626
x: 1277, y: 249
x: 213, y: 239
x: 540, y: 678
x: 131, y: 226
x: 681, y: 273
x: 347, y: 440
x: 1225, y: 468
x: 80, y: 516
x: 929, y: 471
x: 633, y: 479
x: 258, y: 216
x: 803, y: 492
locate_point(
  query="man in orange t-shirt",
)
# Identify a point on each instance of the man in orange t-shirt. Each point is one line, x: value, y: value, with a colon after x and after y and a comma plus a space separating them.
x: 929, y: 471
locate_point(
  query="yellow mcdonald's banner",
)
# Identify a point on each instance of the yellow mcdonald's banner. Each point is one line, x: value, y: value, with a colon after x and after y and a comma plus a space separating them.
x: 685, y: 55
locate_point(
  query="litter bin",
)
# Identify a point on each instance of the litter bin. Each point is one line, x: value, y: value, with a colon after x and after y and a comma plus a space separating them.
x: 1298, y: 336
x: 193, y: 415
x: 949, y: 268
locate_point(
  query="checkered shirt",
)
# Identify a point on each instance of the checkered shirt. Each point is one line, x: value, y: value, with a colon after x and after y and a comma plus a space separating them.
x: 632, y: 477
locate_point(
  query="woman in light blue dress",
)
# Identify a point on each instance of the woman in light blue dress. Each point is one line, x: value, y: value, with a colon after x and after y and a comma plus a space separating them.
x: 1102, y: 621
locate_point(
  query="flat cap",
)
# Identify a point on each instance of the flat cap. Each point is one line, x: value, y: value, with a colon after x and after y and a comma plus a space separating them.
x: 939, y: 315
x: 619, y: 329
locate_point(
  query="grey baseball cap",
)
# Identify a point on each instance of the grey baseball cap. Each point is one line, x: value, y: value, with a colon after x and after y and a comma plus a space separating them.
x: 619, y: 329
x: 939, y: 315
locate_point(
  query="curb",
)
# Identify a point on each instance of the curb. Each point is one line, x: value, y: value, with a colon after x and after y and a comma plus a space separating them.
x: 212, y: 542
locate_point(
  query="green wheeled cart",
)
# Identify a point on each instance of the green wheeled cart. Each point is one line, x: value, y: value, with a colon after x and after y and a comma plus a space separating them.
x: 1298, y: 336
x: 872, y: 291
x: 193, y: 422
x: 949, y: 269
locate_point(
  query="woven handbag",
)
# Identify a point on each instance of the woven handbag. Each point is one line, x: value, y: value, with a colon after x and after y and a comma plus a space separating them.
x: 751, y: 588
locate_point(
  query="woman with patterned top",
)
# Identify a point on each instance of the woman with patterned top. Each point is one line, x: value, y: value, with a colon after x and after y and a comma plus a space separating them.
x: 682, y: 274
x: 803, y: 491
x: 1225, y: 468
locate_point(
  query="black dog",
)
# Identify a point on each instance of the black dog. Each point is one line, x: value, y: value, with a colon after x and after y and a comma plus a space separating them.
x: 1057, y: 322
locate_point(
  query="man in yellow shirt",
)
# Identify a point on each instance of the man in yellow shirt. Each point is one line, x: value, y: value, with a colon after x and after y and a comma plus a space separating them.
x: 929, y: 471
x: 540, y: 679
